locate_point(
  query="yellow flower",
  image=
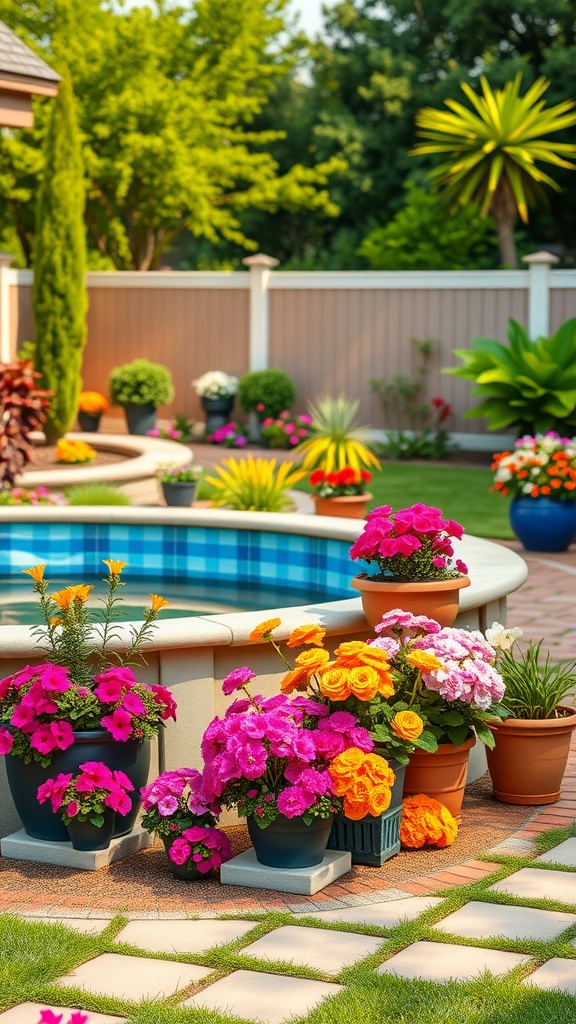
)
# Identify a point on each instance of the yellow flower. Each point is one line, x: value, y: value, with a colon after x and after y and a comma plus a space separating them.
x: 158, y: 602
x: 364, y: 682
x: 334, y: 683
x: 261, y: 631
x: 74, y: 451
x: 407, y: 725
x: 36, y: 572
x: 114, y: 567
x: 312, y: 661
x: 379, y: 799
x: 386, y: 685
x: 424, y: 660
x: 297, y: 679
x: 92, y: 402
x: 64, y: 598
x: 313, y: 634
x: 55, y: 621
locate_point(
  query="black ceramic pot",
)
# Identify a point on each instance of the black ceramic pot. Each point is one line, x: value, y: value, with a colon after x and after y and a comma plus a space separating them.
x: 217, y: 412
x: 140, y: 418
x: 86, y: 836
x: 179, y: 495
x: 289, y: 842
x: 89, y: 422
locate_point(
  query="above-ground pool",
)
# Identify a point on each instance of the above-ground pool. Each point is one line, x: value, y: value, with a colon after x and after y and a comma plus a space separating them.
x: 283, y: 558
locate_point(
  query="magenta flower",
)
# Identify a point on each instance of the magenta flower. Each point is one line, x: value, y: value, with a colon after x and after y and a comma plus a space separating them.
x: 134, y: 704
x: 163, y: 696
x: 6, y: 741
x: 63, y: 734
x: 42, y: 739
x: 119, y: 723
x: 294, y: 801
x: 167, y: 806
x: 72, y: 809
x: 54, y: 677
x: 179, y: 851
x: 118, y: 800
x: 23, y: 717
x: 109, y: 691
x: 236, y: 679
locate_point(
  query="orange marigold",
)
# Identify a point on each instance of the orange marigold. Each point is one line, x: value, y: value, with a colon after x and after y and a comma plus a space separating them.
x: 379, y: 799
x: 407, y: 725
x: 313, y: 634
x: 334, y: 683
x: 426, y: 822
x: 261, y: 632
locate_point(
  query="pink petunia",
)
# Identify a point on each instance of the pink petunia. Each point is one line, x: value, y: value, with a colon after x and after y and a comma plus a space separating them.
x: 109, y: 691
x: 119, y: 723
x: 42, y: 739
x: 179, y: 851
x: 63, y: 734
x: 134, y: 704
x: 6, y: 741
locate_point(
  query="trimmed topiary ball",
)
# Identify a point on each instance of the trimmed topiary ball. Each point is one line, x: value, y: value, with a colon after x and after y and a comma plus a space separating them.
x: 272, y: 389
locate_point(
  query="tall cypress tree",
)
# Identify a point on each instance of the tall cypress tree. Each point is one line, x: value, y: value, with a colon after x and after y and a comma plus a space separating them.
x: 59, y: 291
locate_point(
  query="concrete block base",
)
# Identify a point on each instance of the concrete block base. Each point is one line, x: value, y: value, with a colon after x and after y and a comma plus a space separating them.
x: 20, y: 846
x: 247, y: 871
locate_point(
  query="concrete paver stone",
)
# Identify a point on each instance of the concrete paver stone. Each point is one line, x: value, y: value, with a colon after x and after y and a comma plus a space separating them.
x: 554, y: 974
x: 434, y: 961
x: 476, y: 920
x: 539, y: 884
x: 182, y: 936
x: 132, y: 977
x: 313, y: 947
x: 564, y: 853
x: 269, y: 998
x: 29, y: 1013
x: 384, y: 915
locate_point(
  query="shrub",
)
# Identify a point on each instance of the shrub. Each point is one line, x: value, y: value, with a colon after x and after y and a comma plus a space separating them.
x: 96, y: 494
x: 530, y: 385
x: 141, y: 382
x: 253, y: 485
x: 23, y: 408
x: 272, y: 389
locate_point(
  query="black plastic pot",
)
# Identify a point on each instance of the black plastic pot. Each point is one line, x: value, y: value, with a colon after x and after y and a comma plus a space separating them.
x: 217, y: 412
x: 140, y: 418
x: 374, y: 839
x: 86, y: 836
x: 289, y: 842
x: 186, y: 872
x: 89, y: 422
x: 39, y: 821
x: 180, y: 495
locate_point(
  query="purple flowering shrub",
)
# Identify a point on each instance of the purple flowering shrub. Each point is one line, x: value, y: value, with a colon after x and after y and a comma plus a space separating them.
x: 271, y: 756
x: 89, y: 794
x: 175, y: 810
x: 448, y: 676
x: 413, y: 544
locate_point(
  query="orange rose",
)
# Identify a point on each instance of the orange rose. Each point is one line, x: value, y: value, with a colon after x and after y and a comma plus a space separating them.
x: 407, y: 725
x: 348, y: 653
x: 386, y: 684
x: 306, y: 635
x: 424, y: 660
x: 364, y: 682
x: 312, y: 660
x: 344, y: 768
x: 356, y: 809
x: 425, y: 821
x: 297, y: 679
x: 377, y: 770
x: 334, y: 683
x: 260, y: 631
x: 379, y: 799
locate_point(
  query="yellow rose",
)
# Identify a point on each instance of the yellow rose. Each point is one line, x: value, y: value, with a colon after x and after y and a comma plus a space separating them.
x: 334, y: 683
x: 313, y: 660
x: 348, y: 653
x: 407, y: 725
x: 364, y: 682
x: 379, y: 799
x: 424, y: 660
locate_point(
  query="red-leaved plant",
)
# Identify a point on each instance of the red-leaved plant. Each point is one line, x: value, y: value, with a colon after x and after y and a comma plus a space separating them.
x: 23, y: 408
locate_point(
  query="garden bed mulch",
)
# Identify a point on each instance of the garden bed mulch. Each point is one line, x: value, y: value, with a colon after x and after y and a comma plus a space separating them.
x: 45, y: 460
x: 142, y: 884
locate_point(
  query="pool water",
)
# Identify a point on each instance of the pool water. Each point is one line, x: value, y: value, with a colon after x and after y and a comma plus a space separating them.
x: 19, y: 605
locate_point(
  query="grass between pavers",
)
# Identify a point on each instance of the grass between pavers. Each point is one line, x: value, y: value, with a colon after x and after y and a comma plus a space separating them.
x: 461, y: 492
x: 31, y: 954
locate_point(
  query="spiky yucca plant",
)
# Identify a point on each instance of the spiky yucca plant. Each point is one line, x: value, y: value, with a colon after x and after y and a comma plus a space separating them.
x: 254, y: 485
x: 493, y: 151
x: 335, y: 441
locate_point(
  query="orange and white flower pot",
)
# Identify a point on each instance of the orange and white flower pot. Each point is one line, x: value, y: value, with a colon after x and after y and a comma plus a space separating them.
x: 438, y: 600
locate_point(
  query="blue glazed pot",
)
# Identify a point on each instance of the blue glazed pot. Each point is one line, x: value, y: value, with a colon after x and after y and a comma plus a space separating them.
x: 543, y: 524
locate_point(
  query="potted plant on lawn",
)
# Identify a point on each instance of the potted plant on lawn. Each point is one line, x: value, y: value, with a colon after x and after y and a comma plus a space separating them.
x: 91, y: 405
x: 532, y: 744
x: 88, y: 803
x: 174, y: 810
x: 450, y: 679
x: 140, y: 387
x: 83, y: 703
x: 341, y: 493
x: 413, y: 551
x: 540, y: 474
x: 287, y: 765
x: 216, y: 391
x: 179, y: 484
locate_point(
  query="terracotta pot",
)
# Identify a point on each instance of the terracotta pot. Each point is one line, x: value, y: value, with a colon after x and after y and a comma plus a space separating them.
x: 351, y: 506
x: 438, y: 600
x: 441, y: 775
x: 528, y: 762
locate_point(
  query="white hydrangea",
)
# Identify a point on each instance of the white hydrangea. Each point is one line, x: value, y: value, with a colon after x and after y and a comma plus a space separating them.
x: 501, y: 638
x: 215, y: 384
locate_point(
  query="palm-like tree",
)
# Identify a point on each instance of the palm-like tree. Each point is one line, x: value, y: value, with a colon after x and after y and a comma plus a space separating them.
x: 494, y: 151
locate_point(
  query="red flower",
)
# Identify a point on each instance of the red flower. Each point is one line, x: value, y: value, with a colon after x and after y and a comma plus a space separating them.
x: 347, y: 476
x: 365, y: 476
x: 317, y: 477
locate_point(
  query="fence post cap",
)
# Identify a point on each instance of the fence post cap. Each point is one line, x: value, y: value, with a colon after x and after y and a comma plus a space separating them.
x: 5, y: 258
x: 260, y: 260
x: 541, y: 257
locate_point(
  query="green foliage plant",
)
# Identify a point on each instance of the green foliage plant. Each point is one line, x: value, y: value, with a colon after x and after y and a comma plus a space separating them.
x: 335, y: 441
x: 535, y: 687
x: 529, y: 385
x: 59, y: 289
x: 140, y: 383
x: 273, y: 390
x: 253, y: 485
x: 492, y: 153
x: 96, y: 494
x: 180, y: 474
x: 425, y: 235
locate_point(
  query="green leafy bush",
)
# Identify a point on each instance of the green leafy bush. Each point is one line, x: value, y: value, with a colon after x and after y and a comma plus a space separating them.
x: 141, y: 382
x: 96, y: 494
x: 530, y: 385
x: 274, y: 390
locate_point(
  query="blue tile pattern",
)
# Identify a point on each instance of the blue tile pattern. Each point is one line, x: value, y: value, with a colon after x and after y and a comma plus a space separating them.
x: 249, y: 556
